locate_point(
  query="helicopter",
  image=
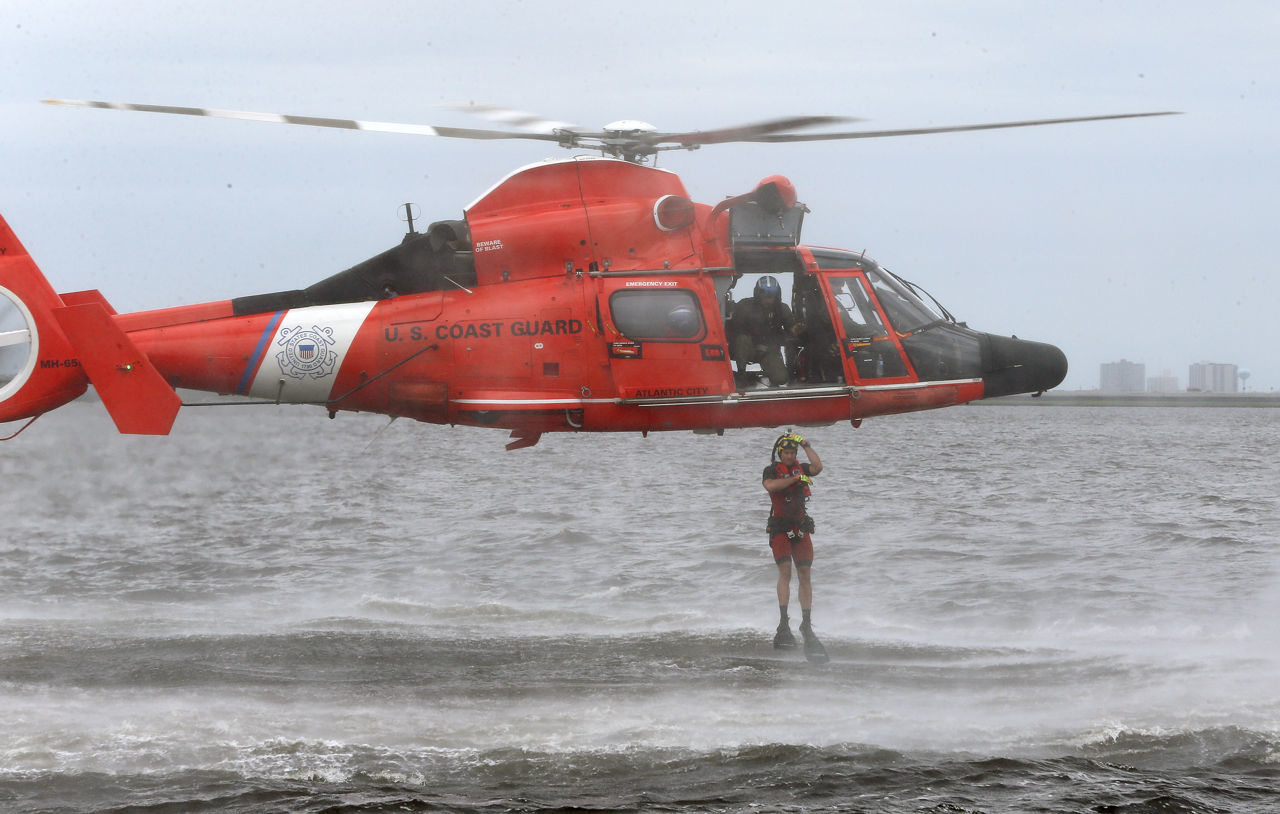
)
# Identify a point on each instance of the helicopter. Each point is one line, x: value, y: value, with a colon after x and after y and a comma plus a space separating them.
x: 586, y: 294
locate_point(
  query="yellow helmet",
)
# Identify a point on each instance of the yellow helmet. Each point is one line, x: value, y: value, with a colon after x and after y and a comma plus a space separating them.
x: 785, y: 441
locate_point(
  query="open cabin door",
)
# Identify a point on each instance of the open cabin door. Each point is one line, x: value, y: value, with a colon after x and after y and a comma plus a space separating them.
x: 664, y: 338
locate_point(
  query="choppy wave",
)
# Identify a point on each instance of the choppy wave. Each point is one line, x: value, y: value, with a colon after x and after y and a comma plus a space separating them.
x: 266, y: 614
x: 1229, y: 770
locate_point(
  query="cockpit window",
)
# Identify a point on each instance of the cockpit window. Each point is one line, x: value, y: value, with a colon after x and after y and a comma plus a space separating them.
x: 856, y: 311
x: 648, y: 314
x: 905, y: 310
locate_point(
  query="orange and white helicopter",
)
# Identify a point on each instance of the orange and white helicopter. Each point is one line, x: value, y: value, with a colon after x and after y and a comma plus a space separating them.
x: 581, y: 295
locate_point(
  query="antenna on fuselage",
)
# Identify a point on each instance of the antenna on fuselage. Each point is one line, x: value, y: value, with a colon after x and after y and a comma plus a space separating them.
x: 407, y: 208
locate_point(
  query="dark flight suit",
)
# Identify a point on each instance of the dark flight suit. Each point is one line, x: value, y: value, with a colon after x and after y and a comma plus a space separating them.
x: 758, y: 335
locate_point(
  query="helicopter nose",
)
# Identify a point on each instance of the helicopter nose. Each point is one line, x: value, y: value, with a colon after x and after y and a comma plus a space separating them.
x: 1011, y: 365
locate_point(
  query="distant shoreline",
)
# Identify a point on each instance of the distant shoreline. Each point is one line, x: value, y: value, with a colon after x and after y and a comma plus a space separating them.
x: 1096, y: 398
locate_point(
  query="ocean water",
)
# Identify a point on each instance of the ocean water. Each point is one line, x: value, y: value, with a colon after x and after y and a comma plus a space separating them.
x: 1027, y: 610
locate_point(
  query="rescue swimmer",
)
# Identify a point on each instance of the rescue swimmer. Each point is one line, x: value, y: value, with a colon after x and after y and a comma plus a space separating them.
x: 789, y: 484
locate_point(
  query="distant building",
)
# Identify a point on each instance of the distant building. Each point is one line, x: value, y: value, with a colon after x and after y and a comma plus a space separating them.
x: 1213, y: 377
x: 1164, y: 383
x: 1124, y: 377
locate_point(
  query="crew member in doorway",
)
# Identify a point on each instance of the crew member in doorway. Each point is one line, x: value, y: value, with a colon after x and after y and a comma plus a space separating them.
x: 758, y: 329
x: 788, y: 483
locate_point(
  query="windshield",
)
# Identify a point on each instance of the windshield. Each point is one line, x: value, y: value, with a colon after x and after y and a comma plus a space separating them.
x: 905, y: 310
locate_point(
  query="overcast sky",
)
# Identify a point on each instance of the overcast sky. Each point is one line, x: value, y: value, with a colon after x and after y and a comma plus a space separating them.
x: 1150, y: 240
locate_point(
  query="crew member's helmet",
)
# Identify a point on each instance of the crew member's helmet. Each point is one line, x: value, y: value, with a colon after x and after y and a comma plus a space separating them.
x: 767, y: 286
x: 682, y: 321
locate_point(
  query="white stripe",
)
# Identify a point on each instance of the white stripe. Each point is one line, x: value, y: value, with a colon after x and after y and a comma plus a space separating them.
x: 734, y: 399
x: 916, y: 385
x: 793, y: 394
x: 393, y: 127
x: 287, y: 374
x: 531, y: 402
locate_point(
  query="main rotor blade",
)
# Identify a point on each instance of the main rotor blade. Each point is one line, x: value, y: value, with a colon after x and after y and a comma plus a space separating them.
x: 313, y: 121
x: 571, y: 136
x: 960, y: 128
x: 530, y: 122
x: 747, y: 132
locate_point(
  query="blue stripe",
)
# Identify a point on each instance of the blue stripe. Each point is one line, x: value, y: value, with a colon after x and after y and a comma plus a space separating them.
x: 267, y: 333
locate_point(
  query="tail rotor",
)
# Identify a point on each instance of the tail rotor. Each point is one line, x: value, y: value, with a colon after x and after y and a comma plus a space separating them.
x: 38, y: 368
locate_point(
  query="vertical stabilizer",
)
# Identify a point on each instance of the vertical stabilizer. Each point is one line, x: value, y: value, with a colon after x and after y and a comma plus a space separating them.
x: 138, y: 398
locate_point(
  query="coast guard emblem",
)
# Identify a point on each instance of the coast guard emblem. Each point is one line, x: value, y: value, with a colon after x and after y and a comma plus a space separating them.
x: 306, y: 352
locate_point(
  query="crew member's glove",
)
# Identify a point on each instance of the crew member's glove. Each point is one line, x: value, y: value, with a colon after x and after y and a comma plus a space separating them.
x: 799, y: 439
x: 806, y: 480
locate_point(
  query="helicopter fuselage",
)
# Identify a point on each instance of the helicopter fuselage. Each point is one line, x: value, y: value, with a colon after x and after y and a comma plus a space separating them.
x: 552, y: 307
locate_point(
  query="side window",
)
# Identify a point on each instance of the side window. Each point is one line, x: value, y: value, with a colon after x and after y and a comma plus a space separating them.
x: 867, y: 342
x: 859, y: 316
x: 673, y: 315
